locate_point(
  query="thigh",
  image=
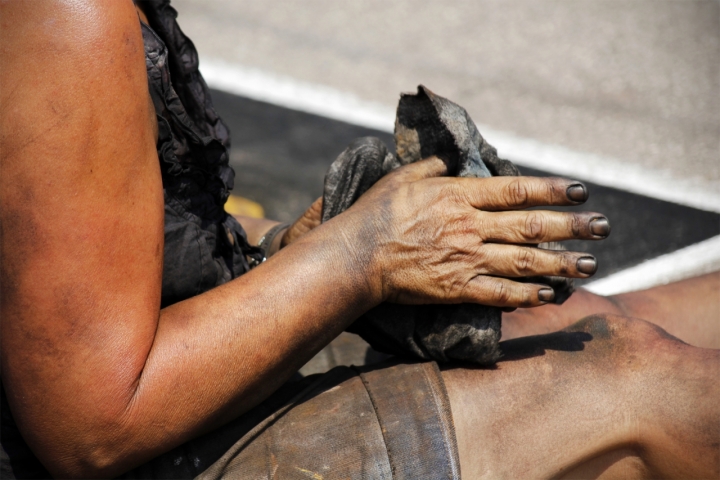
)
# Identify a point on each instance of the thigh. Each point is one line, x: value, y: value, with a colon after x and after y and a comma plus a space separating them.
x: 608, y: 396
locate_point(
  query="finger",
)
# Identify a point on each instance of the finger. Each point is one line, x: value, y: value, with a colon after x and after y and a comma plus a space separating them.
x: 501, y: 292
x: 539, y: 226
x: 426, y: 168
x: 508, y: 193
x: 515, y: 261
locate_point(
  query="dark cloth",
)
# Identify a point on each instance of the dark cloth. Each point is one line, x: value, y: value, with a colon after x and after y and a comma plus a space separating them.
x: 204, y: 246
x: 426, y: 125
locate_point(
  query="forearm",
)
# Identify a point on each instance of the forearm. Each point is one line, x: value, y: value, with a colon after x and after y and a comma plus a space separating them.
x: 217, y: 355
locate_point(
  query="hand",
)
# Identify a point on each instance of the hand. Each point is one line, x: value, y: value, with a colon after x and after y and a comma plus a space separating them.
x: 454, y: 240
x: 307, y: 221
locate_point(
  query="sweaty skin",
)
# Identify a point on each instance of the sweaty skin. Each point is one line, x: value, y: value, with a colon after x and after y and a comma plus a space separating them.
x: 81, y: 246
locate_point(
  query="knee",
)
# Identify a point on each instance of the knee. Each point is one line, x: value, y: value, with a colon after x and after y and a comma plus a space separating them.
x: 621, y: 342
x: 608, y: 328
x: 605, y: 341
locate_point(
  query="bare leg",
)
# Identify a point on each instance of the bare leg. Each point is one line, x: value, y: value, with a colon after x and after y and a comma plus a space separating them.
x: 688, y: 309
x: 609, y: 397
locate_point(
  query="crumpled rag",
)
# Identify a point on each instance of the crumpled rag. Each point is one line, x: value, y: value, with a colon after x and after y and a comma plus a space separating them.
x: 427, y: 125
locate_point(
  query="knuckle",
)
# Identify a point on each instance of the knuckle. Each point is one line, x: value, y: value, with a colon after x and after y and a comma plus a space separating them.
x: 465, y: 223
x: 450, y: 190
x: 565, y: 263
x: 395, y: 179
x: 526, y: 261
x: 577, y: 223
x: 528, y: 297
x: 501, y: 293
x: 535, y: 226
x: 550, y: 190
x: 517, y: 193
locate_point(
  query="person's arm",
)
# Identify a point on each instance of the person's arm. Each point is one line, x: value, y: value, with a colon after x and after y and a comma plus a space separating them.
x: 99, y: 379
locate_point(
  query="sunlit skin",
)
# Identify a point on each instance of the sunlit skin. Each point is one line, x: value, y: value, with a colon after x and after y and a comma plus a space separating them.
x: 81, y: 245
x: 688, y: 309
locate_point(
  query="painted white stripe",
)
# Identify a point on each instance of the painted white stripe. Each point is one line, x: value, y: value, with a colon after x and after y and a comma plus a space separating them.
x: 342, y: 106
x: 703, y: 257
x: 290, y: 93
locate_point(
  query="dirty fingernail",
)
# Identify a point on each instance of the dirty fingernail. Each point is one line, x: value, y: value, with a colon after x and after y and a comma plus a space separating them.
x: 600, y: 227
x: 577, y: 192
x: 587, y: 265
x: 546, y: 294
x: 508, y: 309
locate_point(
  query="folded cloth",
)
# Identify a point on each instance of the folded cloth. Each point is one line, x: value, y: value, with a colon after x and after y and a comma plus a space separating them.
x: 427, y: 125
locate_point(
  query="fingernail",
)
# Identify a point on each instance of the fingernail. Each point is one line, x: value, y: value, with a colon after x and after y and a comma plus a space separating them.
x: 587, y: 265
x: 577, y: 192
x: 600, y: 227
x: 508, y: 309
x: 546, y: 294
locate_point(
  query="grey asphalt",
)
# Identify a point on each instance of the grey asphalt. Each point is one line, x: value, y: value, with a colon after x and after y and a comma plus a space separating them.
x: 638, y: 80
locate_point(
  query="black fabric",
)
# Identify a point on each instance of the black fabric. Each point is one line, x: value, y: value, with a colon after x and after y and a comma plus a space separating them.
x: 426, y: 125
x: 204, y: 246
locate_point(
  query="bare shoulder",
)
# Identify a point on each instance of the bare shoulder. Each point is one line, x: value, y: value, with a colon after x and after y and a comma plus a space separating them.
x: 57, y: 54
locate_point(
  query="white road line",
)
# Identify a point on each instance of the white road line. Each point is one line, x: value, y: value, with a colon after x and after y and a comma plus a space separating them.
x: 342, y: 106
x: 290, y: 93
x: 703, y: 257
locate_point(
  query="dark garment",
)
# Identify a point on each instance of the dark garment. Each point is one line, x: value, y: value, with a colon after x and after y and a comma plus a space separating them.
x: 204, y: 246
x: 426, y: 125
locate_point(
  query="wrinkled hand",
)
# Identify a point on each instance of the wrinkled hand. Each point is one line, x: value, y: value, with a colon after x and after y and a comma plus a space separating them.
x: 307, y: 221
x: 430, y: 239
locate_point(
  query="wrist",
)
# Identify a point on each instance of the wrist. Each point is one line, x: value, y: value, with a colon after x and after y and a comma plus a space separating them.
x: 271, y: 240
x: 360, y: 242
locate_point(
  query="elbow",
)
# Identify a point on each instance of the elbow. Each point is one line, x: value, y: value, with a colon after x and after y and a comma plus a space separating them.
x: 91, y: 463
x: 88, y: 446
x: 103, y: 458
